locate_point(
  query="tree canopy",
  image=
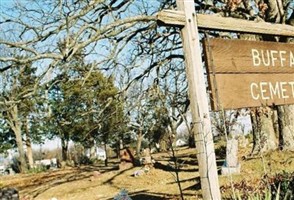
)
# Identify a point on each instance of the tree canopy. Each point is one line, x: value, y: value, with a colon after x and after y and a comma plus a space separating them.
x: 88, y: 68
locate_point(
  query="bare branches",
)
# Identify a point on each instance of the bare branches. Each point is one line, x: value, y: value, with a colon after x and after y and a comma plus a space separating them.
x: 39, y: 29
x: 31, y: 59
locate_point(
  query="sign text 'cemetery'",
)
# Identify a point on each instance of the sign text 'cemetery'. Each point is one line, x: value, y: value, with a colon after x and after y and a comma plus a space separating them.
x: 249, y: 73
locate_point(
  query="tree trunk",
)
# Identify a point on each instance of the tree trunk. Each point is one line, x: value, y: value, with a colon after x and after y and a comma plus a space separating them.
x: 263, y: 131
x: 19, y: 142
x: 163, y: 142
x: 15, y: 125
x: 191, y: 136
x: 29, y: 145
x: 286, y: 116
x: 275, y: 118
x: 139, y: 142
x: 106, y: 155
x: 30, y: 153
x: 93, y: 151
x: 64, y: 149
x: 286, y: 124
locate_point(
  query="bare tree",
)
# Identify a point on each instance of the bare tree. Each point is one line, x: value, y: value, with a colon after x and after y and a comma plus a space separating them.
x: 91, y: 28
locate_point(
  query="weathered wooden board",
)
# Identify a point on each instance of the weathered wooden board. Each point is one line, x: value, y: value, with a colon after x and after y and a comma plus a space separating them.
x: 230, y: 91
x: 214, y: 22
x: 243, y: 56
x: 199, y: 103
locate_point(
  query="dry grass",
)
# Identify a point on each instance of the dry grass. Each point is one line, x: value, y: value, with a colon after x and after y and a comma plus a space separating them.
x: 159, y: 183
x: 256, y: 170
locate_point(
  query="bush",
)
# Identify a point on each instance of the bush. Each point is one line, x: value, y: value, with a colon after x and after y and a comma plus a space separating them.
x: 283, y: 182
x: 38, y: 169
x: 279, y: 186
x: 84, y: 160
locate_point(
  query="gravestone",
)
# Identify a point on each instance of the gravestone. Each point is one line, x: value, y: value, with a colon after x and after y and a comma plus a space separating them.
x: 126, y: 159
x: 147, y: 160
x: 126, y: 155
x: 231, y: 165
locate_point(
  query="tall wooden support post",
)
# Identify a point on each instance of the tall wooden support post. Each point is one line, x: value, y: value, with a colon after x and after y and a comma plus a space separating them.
x: 199, y: 103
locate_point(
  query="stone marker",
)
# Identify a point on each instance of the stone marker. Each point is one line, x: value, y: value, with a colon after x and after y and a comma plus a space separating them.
x: 231, y: 165
x: 232, y: 153
x: 147, y: 159
x: 126, y: 159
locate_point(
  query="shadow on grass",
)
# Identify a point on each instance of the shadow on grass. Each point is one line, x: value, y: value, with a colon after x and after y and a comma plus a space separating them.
x: 196, y: 179
x: 170, y: 168
x: 55, y: 178
x: 186, y: 163
x: 146, y: 195
x: 109, y: 181
x: 196, y: 186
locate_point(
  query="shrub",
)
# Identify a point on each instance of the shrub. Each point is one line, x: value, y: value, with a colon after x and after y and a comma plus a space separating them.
x: 279, y: 186
x: 284, y: 183
x: 38, y: 169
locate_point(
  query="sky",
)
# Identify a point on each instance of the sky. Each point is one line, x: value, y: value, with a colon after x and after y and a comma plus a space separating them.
x: 56, y: 143
x: 48, y: 145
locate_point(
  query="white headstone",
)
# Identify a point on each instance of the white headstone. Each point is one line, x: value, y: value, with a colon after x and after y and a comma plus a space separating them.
x: 232, y: 153
x: 231, y: 165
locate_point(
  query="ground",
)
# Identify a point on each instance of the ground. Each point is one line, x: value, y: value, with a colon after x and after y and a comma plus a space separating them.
x: 98, y: 182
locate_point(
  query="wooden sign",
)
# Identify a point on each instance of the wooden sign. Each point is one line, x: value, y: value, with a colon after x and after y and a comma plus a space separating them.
x: 229, y: 81
x: 243, y: 56
x: 249, y: 73
x: 251, y: 90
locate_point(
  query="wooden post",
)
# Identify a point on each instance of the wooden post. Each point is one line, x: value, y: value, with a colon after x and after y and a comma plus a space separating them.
x: 199, y: 103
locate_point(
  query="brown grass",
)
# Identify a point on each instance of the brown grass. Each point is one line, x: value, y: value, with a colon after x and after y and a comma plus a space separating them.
x: 159, y: 183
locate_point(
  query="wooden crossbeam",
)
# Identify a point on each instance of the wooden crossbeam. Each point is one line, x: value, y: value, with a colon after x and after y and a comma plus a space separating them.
x: 214, y: 22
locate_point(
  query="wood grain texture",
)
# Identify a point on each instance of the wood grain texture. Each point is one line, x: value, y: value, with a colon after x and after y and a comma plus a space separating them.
x: 213, y: 22
x: 251, y: 90
x: 171, y: 17
x: 242, y: 56
x: 199, y: 103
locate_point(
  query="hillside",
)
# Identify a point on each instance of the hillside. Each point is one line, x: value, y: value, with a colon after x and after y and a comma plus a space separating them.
x: 99, y: 182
